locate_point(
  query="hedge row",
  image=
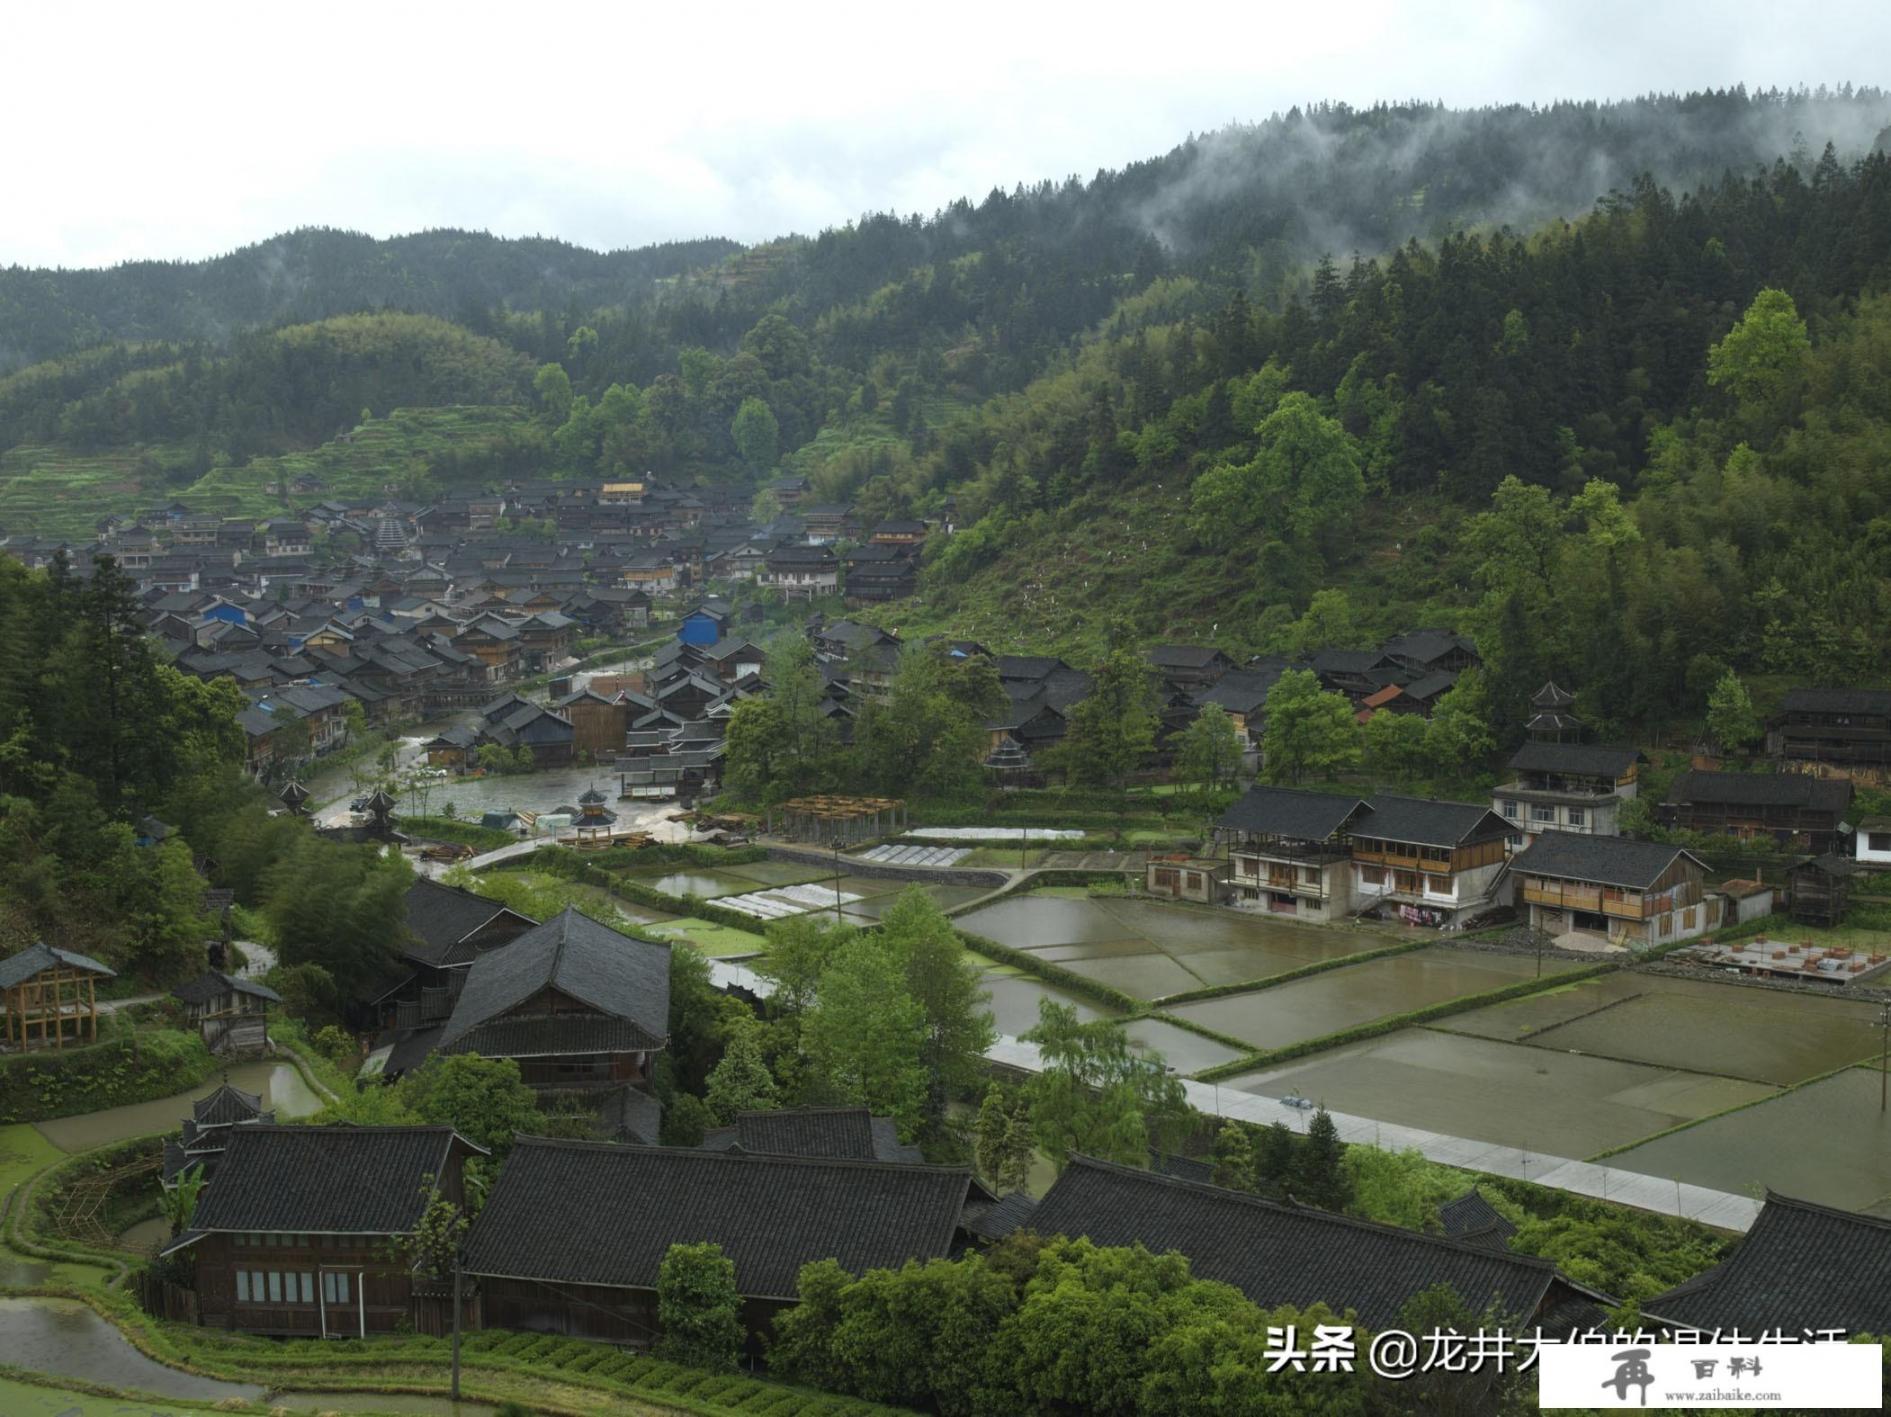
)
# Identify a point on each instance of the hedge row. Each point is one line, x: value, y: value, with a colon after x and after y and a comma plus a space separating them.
x: 133, y: 1065
x: 1216, y: 991
x: 568, y: 866
x: 1052, y: 973
x: 454, y: 830
x: 1267, y: 1058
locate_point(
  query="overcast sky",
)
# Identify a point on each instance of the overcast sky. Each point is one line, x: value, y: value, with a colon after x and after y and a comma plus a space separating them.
x: 186, y: 131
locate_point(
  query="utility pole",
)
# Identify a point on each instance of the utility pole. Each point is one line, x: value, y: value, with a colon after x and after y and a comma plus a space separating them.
x: 456, y: 1325
x: 837, y: 880
x: 1884, y: 1050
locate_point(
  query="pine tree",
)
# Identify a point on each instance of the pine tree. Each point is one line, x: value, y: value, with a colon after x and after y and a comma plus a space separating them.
x: 741, y: 1082
x: 1234, y: 1157
x: 1320, y: 1177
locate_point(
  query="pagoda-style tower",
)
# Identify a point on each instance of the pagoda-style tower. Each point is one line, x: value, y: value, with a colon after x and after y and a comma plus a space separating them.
x: 1551, y: 718
x: 294, y: 796
x: 380, y: 809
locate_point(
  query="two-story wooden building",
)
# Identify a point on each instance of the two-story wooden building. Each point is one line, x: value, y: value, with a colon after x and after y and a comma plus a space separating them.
x: 299, y: 1233
x: 1290, y: 852
x: 1568, y: 787
x: 801, y: 572
x: 576, y: 1004
x: 1428, y: 862
x: 1636, y: 893
x: 1794, y: 809
x: 1851, y: 727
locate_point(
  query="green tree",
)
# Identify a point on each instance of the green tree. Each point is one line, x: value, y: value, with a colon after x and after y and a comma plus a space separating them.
x: 757, y: 435
x: 1393, y: 746
x: 1458, y: 737
x: 1731, y: 721
x: 781, y: 744
x: 552, y: 387
x: 1004, y: 1145
x: 1234, y: 1157
x: 1208, y: 751
x: 865, y: 1036
x: 941, y: 978
x: 432, y: 1247
x: 1330, y: 622
x: 1762, y: 360
x: 179, y: 1203
x: 485, y: 1100
x: 1308, y: 730
x: 1275, y: 1156
x: 698, y: 1307
x: 1304, y: 483
x: 1098, y: 1094
x: 1113, y: 728
x: 1320, y: 1174
x: 741, y: 1081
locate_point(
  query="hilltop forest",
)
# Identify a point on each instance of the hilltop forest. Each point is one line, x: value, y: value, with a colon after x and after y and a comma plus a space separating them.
x: 1606, y: 385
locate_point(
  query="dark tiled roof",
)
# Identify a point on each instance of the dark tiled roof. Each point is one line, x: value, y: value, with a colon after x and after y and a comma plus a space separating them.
x: 439, y: 917
x: 1284, y: 811
x: 1241, y: 690
x: 1183, y: 656
x: 839, y: 1133
x: 1424, y: 822
x: 1599, y: 860
x: 1863, y: 701
x: 1800, y: 1266
x: 620, y: 1208
x: 226, y: 1106
x: 325, y: 1180
x: 1470, y: 1216
x: 630, y: 1114
x: 625, y: 979
x: 1587, y: 759
x: 211, y: 983
x: 1766, y: 789
x: 1830, y: 865
x: 40, y: 956
x: 1000, y: 1218
x: 1281, y: 1253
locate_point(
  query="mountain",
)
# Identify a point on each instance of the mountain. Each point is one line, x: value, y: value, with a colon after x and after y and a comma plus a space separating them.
x: 1601, y: 383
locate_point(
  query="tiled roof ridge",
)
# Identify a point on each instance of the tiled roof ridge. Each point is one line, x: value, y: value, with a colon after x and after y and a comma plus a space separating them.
x: 744, y: 1157
x: 1330, y: 1217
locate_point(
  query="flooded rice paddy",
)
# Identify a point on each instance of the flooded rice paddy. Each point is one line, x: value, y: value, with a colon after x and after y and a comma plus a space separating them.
x: 1304, y: 1009
x: 863, y: 899
x: 1154, y: 948
x: 1734, y: 1030
x: 64, y: 1337
x: 1561, y: 1104
x: 1826, y: 1142
x: 1014, y: 1000
x: 280, y: 1085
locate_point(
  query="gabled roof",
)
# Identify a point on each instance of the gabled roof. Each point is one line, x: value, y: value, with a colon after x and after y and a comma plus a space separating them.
x: 343, y: 1180
x: 1863, y: 701
x: 1470, y: 1215
x: 1584, y: 759
x: 1800, y: 1266
x: 839, y: 1133
x: 1241, y: 690
x: 226, y: 1106
x: 619, y: 1209
x: 1280, y: 1253
x: 40, y: 956
x: 1599, y: 860
x: 1184, y: 656
x: 1829, y: 864
x: 440, y: 917
x: 1285, y: 811
x: 1422, y: 821
x: 1766, y: 789
x: 211, y: 983
x: 1028, y: 666
x: 625, y: 980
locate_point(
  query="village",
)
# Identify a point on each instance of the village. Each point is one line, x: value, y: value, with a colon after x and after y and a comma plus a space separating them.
x: 1685, y: 1023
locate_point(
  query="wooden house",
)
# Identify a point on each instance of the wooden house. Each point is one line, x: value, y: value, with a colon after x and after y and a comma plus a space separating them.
x: 1181, y: 877
x: 1793, y: 809
x: 1843, y: 726
x: 801, y: 572
x: 1820, y: 889
x: 1430, y: 862
x: 229, y: 1013
x: 1242, y: 695
x: 598, y: 723
x: 1188, y: 667
x: 48, y: 996
x: 577, y: 1005
x: 898, y: 533
x: 1635, y: 893
x: 448, y: 928
x: 496, y: 645
x: 298, y: 1235
x: 573, y: 1233
x: 1290, y: 852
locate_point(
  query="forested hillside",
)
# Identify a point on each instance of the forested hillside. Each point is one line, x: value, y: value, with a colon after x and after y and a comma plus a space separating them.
x: 1401, y: 359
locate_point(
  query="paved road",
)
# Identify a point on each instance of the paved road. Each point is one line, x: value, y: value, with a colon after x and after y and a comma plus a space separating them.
x: 1654, y: 1193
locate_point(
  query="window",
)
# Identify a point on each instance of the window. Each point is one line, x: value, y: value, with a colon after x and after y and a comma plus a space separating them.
x: 242, y: 1286
x: 275, y: 1286
x: 335, y: 1288
x: 1510, y: 810
x: 1542, y: 814
x: 1878, y: 841
x: 1577, y: 817
x: 308, y: 1287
